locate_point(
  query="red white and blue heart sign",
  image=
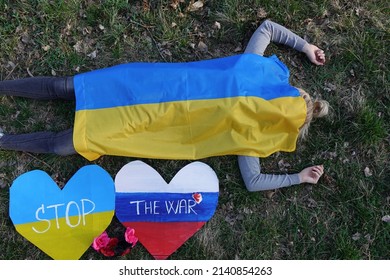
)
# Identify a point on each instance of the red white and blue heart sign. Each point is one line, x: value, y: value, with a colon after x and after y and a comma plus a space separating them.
x: 163, y: 215
x: 62, y: 223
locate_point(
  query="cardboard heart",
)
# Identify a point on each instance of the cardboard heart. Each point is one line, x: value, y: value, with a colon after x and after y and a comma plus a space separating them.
x: 62, y: 223
x: 163, y: 215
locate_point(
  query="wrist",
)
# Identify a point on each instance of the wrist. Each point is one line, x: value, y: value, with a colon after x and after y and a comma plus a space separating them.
x: 306, y: 48
x: 300, y: 176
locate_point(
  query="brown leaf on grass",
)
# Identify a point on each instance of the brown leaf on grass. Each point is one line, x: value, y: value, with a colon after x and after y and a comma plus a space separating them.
x: 312, y: 203
x: 270, y: 194
x: 46, y: 48
x: 67, y: 30
x: 283, y: 165
x: 358, y: 11
x: 25, y: 38
x: 175, y: 3
x: 217, y: 25
x: 386, y: 219
x: 238, y: 48
x: 92, y: 54
x: 329, y: 87
x: 356, y: 236
x: 11, y: 65
x: 78, y: 46
x: 202, y: 46
x: 145, y: 5
x: 84, y: 46
x: 367, y: 172
x: 193, y: 7
x: 166, y: 52
x: 261, y: 13
x: 87, y: 30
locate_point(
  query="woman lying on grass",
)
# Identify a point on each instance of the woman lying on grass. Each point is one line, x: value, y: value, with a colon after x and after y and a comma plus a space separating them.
x: 240, y: 105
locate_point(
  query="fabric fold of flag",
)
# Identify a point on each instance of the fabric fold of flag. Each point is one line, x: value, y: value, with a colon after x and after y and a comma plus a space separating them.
x: 238, y: 105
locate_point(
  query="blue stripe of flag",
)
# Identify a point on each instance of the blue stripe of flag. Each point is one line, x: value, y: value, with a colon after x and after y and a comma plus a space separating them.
x: 148, y: 83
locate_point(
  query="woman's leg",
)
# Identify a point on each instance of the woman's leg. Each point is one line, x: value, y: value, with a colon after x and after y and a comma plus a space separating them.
x: 60, y: 143
x: 41, y: 88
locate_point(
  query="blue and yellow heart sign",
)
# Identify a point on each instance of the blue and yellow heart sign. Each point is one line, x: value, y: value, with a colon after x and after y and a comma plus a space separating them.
x: 63, y: 223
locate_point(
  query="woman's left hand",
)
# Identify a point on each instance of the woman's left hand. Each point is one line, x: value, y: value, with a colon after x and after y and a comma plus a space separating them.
x: 311, y: 174
x: 315, y: 54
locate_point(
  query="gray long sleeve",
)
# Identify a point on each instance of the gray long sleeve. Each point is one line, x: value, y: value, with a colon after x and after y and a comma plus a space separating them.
x: 256, y: 181
x: 270, y: 31
x: 250, y: 167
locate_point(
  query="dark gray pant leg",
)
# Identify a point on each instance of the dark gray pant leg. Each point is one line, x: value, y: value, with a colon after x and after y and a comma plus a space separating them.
x: 41, y: 88
x: 60, y: 143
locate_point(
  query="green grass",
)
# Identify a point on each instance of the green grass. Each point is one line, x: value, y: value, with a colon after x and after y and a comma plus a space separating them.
x: 340, y: 218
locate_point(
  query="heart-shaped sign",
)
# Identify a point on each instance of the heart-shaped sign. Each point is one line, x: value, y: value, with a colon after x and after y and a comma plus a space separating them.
x: 163, y: 215
x: 62, y: 223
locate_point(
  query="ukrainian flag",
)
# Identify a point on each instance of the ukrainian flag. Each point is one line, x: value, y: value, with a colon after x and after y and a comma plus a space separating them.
x: 238, y: 105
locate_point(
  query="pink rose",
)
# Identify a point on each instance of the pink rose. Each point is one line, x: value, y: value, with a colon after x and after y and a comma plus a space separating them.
x: 109, y: 250
x: 101, y: 241
x: 130, y: 236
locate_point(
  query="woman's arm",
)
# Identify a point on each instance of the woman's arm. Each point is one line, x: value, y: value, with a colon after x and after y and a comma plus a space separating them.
x: 256, y: 181
x: 270, y: 31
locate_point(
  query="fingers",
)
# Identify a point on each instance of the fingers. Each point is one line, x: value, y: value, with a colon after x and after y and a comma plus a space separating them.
x: 317, y: 172
x: 319, y: 169
x: 311, y: 174
x: 320, y: 56
x: 315, y: 54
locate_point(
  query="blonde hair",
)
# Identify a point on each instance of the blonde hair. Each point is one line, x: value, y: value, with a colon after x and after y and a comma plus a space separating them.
x: 315, y: 109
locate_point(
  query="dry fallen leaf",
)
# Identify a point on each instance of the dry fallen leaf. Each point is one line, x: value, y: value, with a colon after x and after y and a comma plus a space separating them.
x: 238, y: 49
x: 202, y: 47
x: 25, y: 38
x: 330, y: 87
x: 145, y: 5
x: 78, y: 46
x: 283, y: 166
x: 46, y: 48
x: 175, y: 3
x: 93, y: 54
x: 386, y: 218
x: 11, y: 64
x: 270, y: 194
x: 166, y: 52
x: 367, y: 172
x: 195, y: 6
x: 356, y: 236
x: 217, y: 25
x: 261, y: 13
